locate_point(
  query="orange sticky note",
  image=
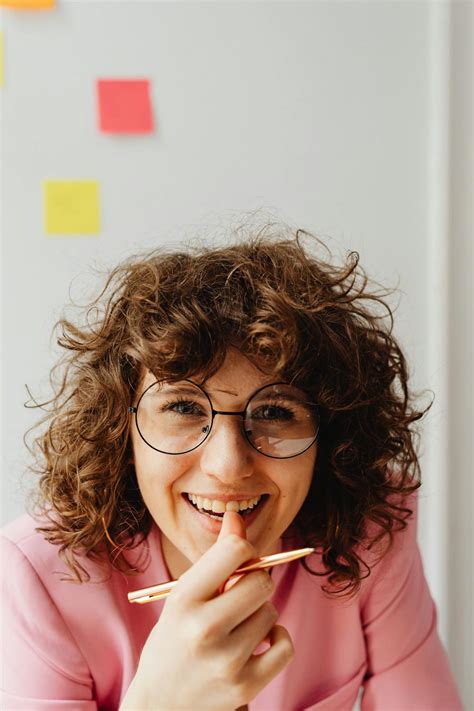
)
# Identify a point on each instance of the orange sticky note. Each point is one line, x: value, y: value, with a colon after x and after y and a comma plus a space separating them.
x: 28, y: 4
x: 71, y: 207
x: 124, y: 106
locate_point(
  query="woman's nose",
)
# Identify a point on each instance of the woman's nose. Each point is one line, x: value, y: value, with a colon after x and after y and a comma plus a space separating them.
x: 226, y: 454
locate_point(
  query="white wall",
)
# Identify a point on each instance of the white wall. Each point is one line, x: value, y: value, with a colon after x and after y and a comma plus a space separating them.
x: 459, y: 428
x: 326, y: 114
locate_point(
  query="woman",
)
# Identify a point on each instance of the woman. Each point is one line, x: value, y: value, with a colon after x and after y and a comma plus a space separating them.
x: 219, y: 405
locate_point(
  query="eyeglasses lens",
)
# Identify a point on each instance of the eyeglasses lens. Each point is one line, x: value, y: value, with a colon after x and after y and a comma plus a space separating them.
x: 175, y: 418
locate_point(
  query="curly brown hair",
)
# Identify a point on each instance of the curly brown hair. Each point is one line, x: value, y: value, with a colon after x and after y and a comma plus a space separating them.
x: 294, y: 315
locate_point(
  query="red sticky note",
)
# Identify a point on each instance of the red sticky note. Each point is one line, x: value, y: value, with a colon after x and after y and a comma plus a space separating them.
x: 124, y: 106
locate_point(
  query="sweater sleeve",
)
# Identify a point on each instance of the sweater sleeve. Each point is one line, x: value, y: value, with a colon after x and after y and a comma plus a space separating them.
x: 43, y: 669
x: 408, y: 667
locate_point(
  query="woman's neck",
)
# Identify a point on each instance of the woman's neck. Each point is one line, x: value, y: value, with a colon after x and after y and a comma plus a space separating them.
x: 175, y: 561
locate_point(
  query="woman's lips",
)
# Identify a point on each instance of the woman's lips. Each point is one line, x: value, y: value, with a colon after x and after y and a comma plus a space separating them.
x: 214, y: 525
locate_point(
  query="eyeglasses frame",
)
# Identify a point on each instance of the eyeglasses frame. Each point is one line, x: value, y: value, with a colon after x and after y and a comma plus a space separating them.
x: 133, y: 409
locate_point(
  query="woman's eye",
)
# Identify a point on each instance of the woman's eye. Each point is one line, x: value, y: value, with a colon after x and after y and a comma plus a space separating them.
x: 272, y: 412
x: 183, y: 407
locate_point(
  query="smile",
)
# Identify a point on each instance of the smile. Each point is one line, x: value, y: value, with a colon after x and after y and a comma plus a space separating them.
x: 217, y: 508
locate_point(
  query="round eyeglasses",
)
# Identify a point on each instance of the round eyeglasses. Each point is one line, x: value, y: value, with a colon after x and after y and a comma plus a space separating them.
x: 279, y: 420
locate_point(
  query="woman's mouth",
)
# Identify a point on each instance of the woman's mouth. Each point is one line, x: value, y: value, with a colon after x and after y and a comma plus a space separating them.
x: 214, y: 509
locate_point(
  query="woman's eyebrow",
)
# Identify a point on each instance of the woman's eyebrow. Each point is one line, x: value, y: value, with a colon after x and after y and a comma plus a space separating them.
x: 187, y: 389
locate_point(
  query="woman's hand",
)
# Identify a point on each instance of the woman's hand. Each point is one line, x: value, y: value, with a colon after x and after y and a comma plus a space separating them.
x: 199, y: 654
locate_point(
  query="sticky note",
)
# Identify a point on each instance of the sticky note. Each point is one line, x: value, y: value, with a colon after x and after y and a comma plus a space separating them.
x: 71, y: 207
x: 124, y: 106
x: 28, y: 4
x: 2, y: 61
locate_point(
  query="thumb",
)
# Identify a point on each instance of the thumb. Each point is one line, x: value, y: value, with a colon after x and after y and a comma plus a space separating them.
x: 232, y: 523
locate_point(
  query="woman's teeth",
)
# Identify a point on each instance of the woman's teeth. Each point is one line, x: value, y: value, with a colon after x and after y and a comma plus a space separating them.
x: 220, y: 507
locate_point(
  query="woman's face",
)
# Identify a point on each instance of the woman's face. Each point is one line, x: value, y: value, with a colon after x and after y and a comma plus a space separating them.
x: 223, y: 467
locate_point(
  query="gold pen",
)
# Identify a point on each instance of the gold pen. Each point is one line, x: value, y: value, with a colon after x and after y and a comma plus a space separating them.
x: 157, y: 592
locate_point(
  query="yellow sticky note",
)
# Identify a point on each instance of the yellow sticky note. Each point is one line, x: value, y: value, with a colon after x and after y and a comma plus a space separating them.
x: 71, y: 207
x: 2, y: 62
x: 28, y: 4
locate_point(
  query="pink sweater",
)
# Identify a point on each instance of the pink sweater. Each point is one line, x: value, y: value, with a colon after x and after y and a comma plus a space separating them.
x: 75, y: 647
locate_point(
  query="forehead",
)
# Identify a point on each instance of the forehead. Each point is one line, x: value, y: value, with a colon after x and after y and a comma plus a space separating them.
x: 237, y: 377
